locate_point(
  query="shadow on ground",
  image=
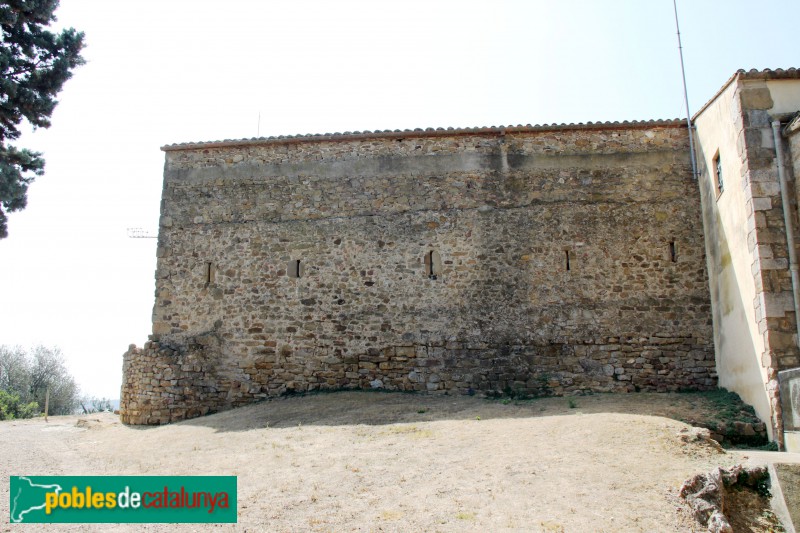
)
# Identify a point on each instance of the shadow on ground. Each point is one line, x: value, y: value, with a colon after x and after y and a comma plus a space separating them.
x: 378, y: 408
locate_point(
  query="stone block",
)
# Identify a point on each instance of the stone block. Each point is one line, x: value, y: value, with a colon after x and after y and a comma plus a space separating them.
x: 762, y: 204
x: 758, y: 118
x: 774, y: 264
x: 756, y: 98
x: 776, y: 305
x: 763, y: 189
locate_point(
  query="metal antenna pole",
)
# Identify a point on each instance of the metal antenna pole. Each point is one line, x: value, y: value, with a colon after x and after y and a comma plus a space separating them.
x: 685, y: 94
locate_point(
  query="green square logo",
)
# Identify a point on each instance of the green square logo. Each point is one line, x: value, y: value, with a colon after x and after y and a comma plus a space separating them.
x: 122, y: 499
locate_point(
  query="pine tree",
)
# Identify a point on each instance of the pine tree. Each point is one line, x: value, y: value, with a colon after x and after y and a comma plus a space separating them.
x: 34, y: 64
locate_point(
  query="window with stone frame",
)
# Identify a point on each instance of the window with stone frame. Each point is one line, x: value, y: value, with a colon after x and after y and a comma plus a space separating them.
x: 718, y: 177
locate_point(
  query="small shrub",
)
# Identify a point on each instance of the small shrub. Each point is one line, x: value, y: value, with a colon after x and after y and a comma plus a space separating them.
x: 11, y: 407
x: 572, y: 403
x: 769, y: 447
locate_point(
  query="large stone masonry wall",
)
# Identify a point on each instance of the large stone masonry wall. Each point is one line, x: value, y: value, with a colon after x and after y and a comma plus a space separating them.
x: 526, y: 261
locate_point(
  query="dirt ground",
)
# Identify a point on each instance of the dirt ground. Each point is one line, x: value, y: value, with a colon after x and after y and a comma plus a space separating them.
x: 789, y: 475
x: 358, y: 461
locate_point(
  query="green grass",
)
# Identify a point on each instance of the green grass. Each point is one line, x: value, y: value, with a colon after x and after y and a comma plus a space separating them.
x: 728, y: 408
x: 572, y: 403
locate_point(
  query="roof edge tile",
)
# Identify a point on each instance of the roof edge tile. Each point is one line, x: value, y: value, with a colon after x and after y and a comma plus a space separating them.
x: 752, y: 74
x: 426, y: 132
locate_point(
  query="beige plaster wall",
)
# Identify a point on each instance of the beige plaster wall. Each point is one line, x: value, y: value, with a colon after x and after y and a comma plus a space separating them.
x: 785, y: 96
x: 738, y: 342
x: 747, y: 252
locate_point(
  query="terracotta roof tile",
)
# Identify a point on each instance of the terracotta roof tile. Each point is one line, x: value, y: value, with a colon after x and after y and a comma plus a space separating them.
x: 752, y: 74
x: 427, y: 132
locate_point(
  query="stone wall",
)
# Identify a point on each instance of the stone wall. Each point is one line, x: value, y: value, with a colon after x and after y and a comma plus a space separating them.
x: 528, y: 261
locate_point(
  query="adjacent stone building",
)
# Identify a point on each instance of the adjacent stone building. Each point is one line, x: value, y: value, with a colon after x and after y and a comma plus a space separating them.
x: 528, y: 260
x: 755, y: 323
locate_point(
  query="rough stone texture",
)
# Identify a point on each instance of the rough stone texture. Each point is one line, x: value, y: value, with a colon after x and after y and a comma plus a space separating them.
x: 565, y: 261
x: 702, y: 436
x: 705, y: 493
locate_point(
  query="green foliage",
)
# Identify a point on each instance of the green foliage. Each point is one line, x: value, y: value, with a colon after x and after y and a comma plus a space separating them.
x: 29, y: 375
x: 572, y: 403
x: 95, y: 405
x: 513, y: 394
x: 769, y: 447
x: 34, y: 64
x: 728, y: 409
x: 12, y: 407
x: 101, y: 404
x: 15, y: 371
x: 49, y: 370
x: 729, y: 405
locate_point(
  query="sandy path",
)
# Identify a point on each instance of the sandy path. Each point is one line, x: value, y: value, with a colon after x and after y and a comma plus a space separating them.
x: 395, y: 462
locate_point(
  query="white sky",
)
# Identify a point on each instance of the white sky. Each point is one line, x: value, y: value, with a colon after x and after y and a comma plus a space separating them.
x: 167, y: 71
